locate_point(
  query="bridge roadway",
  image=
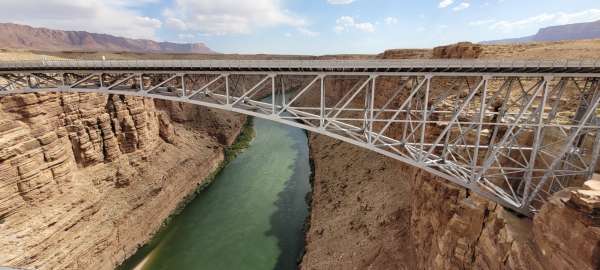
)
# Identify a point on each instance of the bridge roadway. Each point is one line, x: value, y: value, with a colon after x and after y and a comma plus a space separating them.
x: 513, y: 131
x: 591, y: 67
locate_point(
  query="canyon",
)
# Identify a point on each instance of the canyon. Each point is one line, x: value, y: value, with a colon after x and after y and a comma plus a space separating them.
x: 88, y: 178
x: 81, y: 174
x: 372, y: 212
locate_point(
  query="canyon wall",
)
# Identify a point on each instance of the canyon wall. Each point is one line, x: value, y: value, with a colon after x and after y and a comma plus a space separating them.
x: 372, y: 212
x: 87, y: 178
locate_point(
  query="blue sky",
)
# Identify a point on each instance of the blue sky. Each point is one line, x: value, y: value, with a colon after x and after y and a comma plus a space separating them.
x: 304, y: 27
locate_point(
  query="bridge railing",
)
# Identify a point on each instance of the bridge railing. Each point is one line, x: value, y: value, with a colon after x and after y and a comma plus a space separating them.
x: 329, y: 64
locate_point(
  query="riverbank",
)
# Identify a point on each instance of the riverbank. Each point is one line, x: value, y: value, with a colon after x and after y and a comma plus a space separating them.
x: 242, y: 141
x: 103, y: 173
x: 255, y: 209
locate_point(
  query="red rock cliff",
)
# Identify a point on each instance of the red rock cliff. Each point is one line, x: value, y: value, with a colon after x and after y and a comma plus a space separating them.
x: 87, y: 178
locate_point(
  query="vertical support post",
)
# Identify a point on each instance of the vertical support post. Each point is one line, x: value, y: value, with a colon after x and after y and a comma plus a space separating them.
x: 227, y: 98
x: 183, y: 85
x: 537, y: 140
x: 100, y: 77
x: 322, y: 101
x: 282, y: 92
x: 425, y: 113
x: 371, y: 105
x: 595, y: 152
x: 273, y: 94
x: 141, y: 77
x: 482, y: 107
x: 407, y: 115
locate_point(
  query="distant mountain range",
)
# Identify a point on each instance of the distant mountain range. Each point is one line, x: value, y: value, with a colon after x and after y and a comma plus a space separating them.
x: 16, y: 36
x: 574, y: 31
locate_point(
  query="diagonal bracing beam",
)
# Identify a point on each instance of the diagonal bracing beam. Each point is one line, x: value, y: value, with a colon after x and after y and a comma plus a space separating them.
x: 568, y: 146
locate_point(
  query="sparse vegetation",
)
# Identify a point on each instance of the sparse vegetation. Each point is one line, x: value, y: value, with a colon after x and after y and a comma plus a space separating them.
x: 242, y: 142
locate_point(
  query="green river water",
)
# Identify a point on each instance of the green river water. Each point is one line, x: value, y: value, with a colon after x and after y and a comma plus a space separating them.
x: 251, y: 217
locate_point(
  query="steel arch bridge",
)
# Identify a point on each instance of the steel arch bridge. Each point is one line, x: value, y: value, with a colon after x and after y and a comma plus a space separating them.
x: 512, y: 131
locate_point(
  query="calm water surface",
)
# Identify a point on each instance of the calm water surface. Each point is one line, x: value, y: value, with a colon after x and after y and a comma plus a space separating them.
x: 251, y: 217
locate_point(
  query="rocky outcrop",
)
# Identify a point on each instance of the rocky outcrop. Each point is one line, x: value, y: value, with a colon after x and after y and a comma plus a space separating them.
x: 405, y: 54
x: 567, y: 230
x: 472, y: 233
x: 463, y: 50
x: 87, y: 178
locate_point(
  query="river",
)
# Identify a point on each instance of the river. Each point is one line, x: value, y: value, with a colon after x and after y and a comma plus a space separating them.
x: 251, y: 217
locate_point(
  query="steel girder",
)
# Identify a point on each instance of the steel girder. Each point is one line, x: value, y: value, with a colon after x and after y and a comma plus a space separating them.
x: 515, y: 139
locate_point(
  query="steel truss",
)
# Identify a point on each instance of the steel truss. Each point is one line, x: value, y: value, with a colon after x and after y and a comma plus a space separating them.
x: 513, y: 138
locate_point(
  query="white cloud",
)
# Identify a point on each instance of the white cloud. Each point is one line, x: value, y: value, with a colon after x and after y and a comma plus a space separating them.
x: 391, y: 20
x: 307, y: 32
x: 347, y: 23
x: 223, y: 17
x: 340, y: 2
x: 576, y: 17
x: 176, y: 24
x: 461, y: 6
x: 116, y: 17
x: 545, y: 19
x: 366, y: 27
x: 482, y: 22
x: 445, y: 3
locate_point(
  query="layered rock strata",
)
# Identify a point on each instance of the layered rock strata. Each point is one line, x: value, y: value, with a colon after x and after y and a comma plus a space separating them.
x: 87, y: 178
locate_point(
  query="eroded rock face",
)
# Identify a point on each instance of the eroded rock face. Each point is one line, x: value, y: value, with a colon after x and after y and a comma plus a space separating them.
x: 462, y: 50
x: 359, y: 211
x: 219, y: 124
x: 166, y: 130
x: 87, y: 178
x: 452, y: 229
x: 364, y: 218
x: 444, y: 226
x: 474, y: 234
x: 567, y: 229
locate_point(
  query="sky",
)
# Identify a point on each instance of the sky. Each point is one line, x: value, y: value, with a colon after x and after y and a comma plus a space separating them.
x: 304, y: 26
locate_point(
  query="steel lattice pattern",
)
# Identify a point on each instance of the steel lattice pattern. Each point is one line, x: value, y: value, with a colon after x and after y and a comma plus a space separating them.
x: 514, y: 132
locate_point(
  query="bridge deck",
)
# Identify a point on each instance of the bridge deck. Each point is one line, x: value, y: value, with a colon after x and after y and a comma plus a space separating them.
x: 346, y: 66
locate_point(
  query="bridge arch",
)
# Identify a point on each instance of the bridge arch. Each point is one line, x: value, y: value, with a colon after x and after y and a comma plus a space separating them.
x: 507, y: 131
